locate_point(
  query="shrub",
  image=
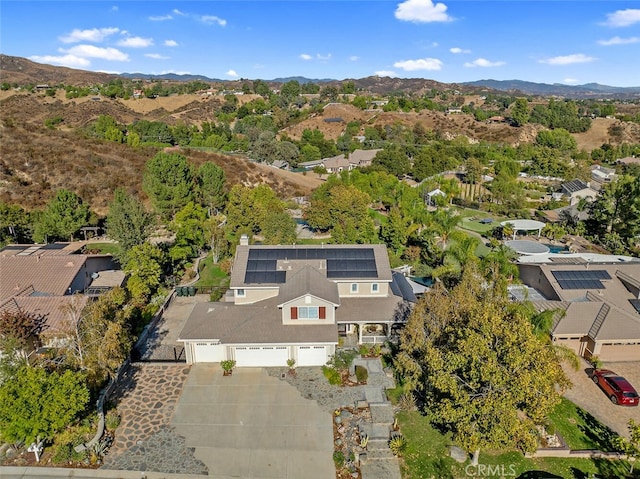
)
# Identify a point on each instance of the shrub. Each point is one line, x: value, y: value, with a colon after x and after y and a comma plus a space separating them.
x: 228, y: 364
x: 362, y: 374
x: 291, y: 363
x: 339, y: 459
x: 407, y: 402
x: 595, y: 362
x: 397, y: 444
x: 332, y: 375
x: 112, y: 420
x: 61, y: 454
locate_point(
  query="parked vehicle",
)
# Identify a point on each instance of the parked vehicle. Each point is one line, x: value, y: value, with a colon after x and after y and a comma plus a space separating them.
x: 619, y: 390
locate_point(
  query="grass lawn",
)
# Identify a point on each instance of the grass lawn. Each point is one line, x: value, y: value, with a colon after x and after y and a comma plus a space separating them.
x: 473, y: 225
x: 104, y: 248
x: 211, y: 275
x: 426, y: 456
x: 581, y: 430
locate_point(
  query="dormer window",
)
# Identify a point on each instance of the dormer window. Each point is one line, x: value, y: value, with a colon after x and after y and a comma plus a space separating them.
x: 354, y: 287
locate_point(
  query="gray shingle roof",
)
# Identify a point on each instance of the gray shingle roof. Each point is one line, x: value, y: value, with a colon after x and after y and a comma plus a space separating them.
x: 309, y: 280
x: 259, y: 323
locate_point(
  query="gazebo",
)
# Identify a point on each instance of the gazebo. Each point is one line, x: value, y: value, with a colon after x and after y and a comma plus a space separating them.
x: 524, y: 225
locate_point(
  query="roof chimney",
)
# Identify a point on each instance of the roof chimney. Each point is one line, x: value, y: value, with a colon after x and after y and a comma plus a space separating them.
x: 244, y: 240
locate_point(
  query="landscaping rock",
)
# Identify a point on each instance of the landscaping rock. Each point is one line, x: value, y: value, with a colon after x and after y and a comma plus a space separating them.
x: 458, y: 454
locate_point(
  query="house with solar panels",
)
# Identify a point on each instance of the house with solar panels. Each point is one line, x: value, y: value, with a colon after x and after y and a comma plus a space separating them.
x: 597, y: 300
x: 293, y: 302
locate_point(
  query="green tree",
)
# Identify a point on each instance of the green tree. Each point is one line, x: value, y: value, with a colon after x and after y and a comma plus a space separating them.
x: 15, y: 224
x: 99, y: 336
x: 520, y: 112
x: 473, y: 358
x: 168, y: 181
x: 631, y: 446
x: 37, y: 403
x: 394, y: 160
x: 395, y: 231
x: 143, y: 263
x: 279, y: 228
x: 24, y: 327
x: 617, y: 208
x: 189, y: 225
x: 211, y: 183
x: 127, y: 221
x: 64, y: 215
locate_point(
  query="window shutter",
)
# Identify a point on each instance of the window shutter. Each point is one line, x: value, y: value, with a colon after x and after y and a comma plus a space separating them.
x: 322, y: 312
x: 294, y: 313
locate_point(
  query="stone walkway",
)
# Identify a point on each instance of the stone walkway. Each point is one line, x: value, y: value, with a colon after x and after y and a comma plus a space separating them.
x: 145, y: 441
x: 380, y: 463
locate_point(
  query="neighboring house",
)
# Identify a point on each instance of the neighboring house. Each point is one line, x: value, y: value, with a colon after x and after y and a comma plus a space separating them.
x: 601, y: 175
x: 280, y: 164
x: 293, y: 302
x: 598, y: 303
x: 576, y: 190
x: 629, y: 160
x: 48, y: 279
x: 336, y: 164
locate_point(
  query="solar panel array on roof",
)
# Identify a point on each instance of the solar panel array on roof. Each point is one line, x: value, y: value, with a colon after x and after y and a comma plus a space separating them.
x: 636, y: 304
x: 341, y: 263
x: 581, y: 279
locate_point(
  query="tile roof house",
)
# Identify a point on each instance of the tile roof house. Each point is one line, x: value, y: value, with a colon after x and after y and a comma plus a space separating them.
x: 598, y: 304
x: 293, y: 302
x: 336, y: 164
x: 47, y: 279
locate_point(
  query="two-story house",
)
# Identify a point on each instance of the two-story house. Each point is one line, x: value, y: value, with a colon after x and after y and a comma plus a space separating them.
x: 293, y: 302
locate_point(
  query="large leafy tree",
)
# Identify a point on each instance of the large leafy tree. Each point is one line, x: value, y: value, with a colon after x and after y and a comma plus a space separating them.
x: 251, y: 210
x: 64, y: 215
x: 15, y: 224
x: 520, y: 112
x: 98, y: 336
x: 23, y: 326
x: 169, y: 183
x: 472, y: 356
x: 190, y: 226
x: 617, y: 208
x: 40, y: 403
x: 128, y: 222
x: 143, y: 263
x: 344, y: 211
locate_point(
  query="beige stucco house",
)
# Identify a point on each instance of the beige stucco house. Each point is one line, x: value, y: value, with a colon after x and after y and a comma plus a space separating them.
x: 293, y: 302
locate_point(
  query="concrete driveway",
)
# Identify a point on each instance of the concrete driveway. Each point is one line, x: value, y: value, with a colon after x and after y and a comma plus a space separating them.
x: 253, y: 425
x: 591, y: 398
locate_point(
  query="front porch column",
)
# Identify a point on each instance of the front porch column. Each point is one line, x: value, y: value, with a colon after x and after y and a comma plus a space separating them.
x: 360, y: 328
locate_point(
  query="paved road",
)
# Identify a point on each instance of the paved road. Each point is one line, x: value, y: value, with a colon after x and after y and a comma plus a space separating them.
x: 58, y: 472
x: 590, y: 397
x: 253, y: 425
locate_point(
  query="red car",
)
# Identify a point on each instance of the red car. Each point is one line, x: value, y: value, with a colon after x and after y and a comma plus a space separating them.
x: 619, y: 390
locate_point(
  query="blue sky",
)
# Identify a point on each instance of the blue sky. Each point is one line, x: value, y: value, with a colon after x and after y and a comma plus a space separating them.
x: 570, y: 42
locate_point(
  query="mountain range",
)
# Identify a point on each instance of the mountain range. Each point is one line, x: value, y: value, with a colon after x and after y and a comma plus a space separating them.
x: 21, y: 70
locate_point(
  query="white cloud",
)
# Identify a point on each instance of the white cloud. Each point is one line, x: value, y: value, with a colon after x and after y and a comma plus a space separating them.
x: 156, y: 56
x: 114, y: 8
x: 457, y: 50
x: 422, y: 11
x: 178, y: 12
x: 304, y: 56
x: 483, y: 63
x: 568, y: 59
x: 354, y: 58
x: 323, y: 58
x: 571, y: 81
x: 623, y: 18
x: 91, y: 51
x: 232, y: 73
x: 211, y: 19
x: 619, y: 41
x: 161, y: 18
x: 136, y: 42
x: 385, y: 73
x: 71, y: 61
x: 92, y: 35
x: 170, y: 43
x: 420, y: 64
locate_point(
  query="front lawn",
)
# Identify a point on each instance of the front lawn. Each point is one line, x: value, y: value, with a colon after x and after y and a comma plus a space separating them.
x: 427, y: 456
x: 103, y: 248
x: 581, y: 430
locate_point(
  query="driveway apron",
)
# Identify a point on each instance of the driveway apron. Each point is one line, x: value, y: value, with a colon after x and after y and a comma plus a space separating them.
x: 253, y: 425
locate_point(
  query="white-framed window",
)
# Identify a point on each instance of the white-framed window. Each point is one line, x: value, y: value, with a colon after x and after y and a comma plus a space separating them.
x: 240, y: 293
x: 308, y: 312
x: 374, y: 287
x: 354, y: 287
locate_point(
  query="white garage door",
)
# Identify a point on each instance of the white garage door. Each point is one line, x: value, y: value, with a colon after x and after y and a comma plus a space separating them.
x: 620, y: 352
x: 208, y: 353
x: 312, y: 356
x: 262, y: 356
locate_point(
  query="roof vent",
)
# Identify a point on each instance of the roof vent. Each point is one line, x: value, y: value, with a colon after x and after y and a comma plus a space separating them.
x: 244, y: 240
